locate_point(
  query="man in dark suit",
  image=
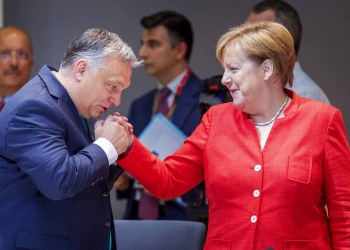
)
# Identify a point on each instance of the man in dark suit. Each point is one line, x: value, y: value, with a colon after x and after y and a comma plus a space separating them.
x: 55, y: 176
x: 166, y: 48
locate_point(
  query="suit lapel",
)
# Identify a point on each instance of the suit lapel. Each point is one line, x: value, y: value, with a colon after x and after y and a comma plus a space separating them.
x: 148, y: 109
x: 90, y: 123
x: 187, y: 101
x: 143, y: 115
x: 57, y: 91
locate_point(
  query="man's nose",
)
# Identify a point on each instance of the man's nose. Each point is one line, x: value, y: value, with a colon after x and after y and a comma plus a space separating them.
x: 14, y: 59
x: 115, y: 99
x: 143, y: 52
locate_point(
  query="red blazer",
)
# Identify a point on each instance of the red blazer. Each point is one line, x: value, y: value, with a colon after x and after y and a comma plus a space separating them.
x: 269, y: 199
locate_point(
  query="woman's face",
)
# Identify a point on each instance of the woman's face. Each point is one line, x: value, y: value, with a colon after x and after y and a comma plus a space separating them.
x: 244, y: 79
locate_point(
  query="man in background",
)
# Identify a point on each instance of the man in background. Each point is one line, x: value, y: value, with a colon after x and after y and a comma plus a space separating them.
x: 166, y: 47
x: 283, y: 13
x: 16, y: 61
x: 57, y: 164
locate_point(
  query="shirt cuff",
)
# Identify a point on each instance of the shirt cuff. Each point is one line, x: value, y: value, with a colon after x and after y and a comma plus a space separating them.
x: 109, y: 149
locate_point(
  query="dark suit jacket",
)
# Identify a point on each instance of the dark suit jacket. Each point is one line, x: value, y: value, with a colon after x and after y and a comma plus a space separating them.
x: 186, y: 117
x: 54, y: 183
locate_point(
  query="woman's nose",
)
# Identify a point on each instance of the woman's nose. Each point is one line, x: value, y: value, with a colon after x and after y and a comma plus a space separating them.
x: 225, y: 79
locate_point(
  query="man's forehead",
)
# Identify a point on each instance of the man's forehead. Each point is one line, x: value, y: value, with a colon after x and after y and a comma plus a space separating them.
x: 14, y: 37
x: 155, y: 33
x: 117, y: 71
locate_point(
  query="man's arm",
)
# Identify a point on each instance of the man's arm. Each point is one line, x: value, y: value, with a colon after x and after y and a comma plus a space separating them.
x: 36, y: 140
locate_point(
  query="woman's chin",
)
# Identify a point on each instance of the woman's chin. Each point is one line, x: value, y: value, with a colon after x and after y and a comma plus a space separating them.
x: 238, y: 105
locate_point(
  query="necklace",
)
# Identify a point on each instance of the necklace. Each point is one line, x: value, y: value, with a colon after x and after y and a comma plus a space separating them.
x: 273, y: 118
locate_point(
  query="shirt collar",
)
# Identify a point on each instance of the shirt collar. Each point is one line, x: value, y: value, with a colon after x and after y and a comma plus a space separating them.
x: 172, y: 85
x: 6, y: 99
x: 297, y: 68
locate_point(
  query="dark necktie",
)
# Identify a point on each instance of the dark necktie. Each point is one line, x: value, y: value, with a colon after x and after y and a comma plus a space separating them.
x: 149, y: 205
x: 84, y: 123
x: 163, y: 102
x: 2, y: 104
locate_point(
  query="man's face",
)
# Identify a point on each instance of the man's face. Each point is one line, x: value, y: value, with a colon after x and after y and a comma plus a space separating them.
x: 157, y: 51
x: 267, y: 15
x: 15, y: 60
x: 98, y: 93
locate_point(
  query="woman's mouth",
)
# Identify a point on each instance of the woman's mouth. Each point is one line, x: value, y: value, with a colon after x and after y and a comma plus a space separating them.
x: 234, y: 92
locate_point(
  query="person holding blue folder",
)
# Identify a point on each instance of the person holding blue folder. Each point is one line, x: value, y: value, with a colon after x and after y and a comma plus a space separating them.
x: 166, y: 47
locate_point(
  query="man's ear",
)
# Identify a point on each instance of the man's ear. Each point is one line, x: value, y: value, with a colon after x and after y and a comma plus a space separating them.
x: 181, y: 49
x: 268, y: 68
x: 79, y: 69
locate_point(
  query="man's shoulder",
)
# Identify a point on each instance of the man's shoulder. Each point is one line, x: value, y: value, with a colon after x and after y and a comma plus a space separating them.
x: 145, y: 97
x: 30, y: 90
x: 194, y: 85
x: 142, y: 104
x: 194, y: 78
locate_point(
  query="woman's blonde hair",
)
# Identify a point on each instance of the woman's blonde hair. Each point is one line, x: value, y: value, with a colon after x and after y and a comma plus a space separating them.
x: 261, y: 41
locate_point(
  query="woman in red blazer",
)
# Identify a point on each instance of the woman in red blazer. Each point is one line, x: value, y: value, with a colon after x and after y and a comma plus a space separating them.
x: 271, y: 161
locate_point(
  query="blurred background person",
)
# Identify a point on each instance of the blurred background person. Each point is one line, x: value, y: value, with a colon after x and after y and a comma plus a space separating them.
x: 16, y: 61
x: 271, y: 161
x: 166, y: 47
x: 283, y: 13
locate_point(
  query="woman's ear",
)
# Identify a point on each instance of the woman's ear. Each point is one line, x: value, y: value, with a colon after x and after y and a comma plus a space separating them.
x: 268, y: 68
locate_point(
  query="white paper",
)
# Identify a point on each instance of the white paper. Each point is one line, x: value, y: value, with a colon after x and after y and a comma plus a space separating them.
x: 162, y: 137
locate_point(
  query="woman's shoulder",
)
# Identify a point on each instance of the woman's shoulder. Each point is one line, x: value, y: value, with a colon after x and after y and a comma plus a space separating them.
x: 315, y: 106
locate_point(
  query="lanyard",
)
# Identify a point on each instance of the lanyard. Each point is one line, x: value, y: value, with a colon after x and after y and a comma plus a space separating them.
x: 177, y: 94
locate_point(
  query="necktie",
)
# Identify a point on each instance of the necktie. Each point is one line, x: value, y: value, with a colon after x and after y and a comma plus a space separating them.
x: 2, y: 104
x: 84, y: 123
x: 163, y: 102
x: 149, y: 205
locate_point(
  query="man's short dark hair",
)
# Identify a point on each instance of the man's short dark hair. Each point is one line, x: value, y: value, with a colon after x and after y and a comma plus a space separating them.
x: 178, y: 26
x: 286, y: 15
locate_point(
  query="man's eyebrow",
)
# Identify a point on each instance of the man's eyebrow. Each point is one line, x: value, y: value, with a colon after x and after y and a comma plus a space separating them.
x: 152, y: 41
x: 120, y: 83
x: 115, y: 82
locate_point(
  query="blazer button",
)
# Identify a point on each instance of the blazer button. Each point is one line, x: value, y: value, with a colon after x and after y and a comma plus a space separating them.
x: 253, y: 219
x: 105, y: 194
x: 257, y: 168
x: 107, y: 224
x: 256, y: 193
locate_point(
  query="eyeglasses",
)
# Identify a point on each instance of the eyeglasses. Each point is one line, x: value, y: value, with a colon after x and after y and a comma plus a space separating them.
x: 6, y: 55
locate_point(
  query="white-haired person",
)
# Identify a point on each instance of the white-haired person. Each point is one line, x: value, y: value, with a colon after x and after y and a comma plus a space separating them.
x: 56, y: 163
